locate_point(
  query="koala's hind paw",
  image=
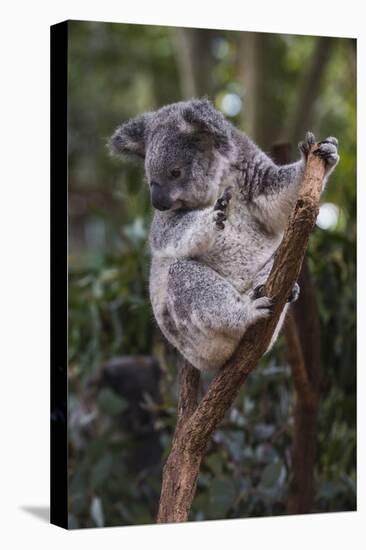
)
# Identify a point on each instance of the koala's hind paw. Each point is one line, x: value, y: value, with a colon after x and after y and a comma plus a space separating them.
x: 221, y: 207
x: 295, y: 293
x: 262, y: 307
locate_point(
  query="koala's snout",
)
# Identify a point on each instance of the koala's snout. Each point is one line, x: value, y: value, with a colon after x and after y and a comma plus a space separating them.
x: 159, y: 198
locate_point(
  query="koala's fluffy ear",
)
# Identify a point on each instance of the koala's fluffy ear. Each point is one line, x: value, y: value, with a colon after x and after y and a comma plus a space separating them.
x: 129, y: 138
x: 201, y: 119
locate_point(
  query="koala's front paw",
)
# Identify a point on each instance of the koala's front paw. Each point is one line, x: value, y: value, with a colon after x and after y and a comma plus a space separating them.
x: 326, y: 149
x: 220, y: 208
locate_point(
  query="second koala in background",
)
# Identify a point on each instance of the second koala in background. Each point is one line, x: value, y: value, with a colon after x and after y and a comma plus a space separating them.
x: 221, y: 207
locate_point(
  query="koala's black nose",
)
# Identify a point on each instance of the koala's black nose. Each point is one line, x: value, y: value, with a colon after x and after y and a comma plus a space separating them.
x: 159, y: 198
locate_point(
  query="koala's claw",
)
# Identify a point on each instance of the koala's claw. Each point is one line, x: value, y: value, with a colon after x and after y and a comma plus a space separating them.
x: 258, y: 292
x: 220, y: 208
x: 263, y: 307
x: 326, y: 149
x: 220, y: 215
x: 304, y: 146
x: 295, y: 293
x: 310, y: 138
x: 223, y: 201
x: 264, y: 303
x: 330, y: 139
x: 261, y: 301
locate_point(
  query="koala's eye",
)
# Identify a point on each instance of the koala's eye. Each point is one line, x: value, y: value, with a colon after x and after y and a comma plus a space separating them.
x: 175, y: 173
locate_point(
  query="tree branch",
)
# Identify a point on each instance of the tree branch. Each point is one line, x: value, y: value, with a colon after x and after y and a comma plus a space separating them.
x: 190, y: 442
x: 189, y: 379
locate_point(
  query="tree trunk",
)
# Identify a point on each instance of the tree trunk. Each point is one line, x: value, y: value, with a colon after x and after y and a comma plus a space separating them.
x: 304, y: 453
x: 196, y: 424
x: 261, y: 57
x: 195, y: 61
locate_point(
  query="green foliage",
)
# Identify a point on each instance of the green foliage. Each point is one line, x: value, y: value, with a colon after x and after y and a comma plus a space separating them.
x: 116, y: 71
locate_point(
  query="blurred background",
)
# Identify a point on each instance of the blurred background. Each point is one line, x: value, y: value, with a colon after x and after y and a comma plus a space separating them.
x: 122, y: 375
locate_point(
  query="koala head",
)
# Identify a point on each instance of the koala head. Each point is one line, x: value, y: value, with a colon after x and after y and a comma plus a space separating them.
x: 185, y: 148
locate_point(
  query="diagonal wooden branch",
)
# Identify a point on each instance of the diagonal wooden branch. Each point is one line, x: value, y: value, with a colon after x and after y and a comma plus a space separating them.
x: 195, y: 428
x: 189, y: 379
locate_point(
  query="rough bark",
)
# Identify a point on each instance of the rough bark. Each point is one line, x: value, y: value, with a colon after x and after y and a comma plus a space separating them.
x: 189, y: 381
x: 181, y: 469
x: 195, y: 429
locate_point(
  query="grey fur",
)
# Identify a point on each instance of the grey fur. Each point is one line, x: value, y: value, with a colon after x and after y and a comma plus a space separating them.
x: 221, y: 210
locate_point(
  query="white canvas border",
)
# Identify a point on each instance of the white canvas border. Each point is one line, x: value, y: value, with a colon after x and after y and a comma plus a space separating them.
x: 24, y: 354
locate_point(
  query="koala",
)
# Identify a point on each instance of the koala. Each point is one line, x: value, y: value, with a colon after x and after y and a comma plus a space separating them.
x: 221, y: 207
